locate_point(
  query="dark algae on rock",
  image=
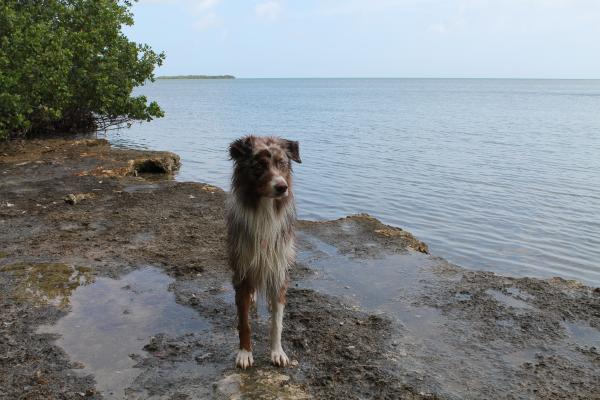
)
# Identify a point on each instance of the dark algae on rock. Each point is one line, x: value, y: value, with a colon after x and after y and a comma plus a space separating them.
x: 124, y: 292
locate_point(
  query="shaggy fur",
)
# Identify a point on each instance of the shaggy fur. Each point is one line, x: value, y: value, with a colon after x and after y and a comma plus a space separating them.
x: 260, y: 224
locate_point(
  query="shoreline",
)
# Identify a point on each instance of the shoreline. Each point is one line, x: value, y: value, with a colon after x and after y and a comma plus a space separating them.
x: 350, y: 334
x: 168, y: 77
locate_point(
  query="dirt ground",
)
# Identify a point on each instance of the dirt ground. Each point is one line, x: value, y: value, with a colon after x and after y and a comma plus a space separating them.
x: 114, y: 284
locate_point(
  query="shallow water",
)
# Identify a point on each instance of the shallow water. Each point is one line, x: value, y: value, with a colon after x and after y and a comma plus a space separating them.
x: 431, y: 343
x: 111, y: 321
x: 510, y: 301
x: 500, y: 175
x: 377, y: 284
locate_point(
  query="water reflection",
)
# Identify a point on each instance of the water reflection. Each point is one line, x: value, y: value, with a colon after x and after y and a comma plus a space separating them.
x: 111, y: 320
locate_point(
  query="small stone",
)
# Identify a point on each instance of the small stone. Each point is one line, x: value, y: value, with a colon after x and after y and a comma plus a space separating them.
x: 76, y: 198
x: 202, y: 357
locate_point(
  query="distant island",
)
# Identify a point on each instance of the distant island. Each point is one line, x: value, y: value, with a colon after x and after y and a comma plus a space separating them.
x: 197, y: 77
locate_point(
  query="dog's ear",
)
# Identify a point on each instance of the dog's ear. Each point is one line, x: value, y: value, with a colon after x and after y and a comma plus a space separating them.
x: 240, y: 148
x: 293, y: 150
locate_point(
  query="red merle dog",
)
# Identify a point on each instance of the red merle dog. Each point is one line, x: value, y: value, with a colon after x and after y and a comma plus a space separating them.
x: 260, y: 224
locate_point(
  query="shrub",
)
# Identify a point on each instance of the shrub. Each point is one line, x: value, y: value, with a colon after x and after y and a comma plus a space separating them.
x: 66, y: 66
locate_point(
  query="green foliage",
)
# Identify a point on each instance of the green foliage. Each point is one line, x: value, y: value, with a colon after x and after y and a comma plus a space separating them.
x: 66, y: 66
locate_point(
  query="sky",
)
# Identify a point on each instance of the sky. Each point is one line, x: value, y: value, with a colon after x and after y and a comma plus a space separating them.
x: 373, y: 38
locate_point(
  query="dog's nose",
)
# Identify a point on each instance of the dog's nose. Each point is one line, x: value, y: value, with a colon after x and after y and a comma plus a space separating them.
x: 280, y: 188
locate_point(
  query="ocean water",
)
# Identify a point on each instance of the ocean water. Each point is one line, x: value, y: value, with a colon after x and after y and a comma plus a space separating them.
x: 499, y: 175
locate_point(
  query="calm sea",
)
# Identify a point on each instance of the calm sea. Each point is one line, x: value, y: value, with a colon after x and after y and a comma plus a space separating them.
x: 499, y: 175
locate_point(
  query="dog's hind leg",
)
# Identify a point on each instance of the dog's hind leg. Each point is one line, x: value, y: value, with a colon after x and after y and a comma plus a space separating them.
x: 243, y: 293
x: 278, y: 356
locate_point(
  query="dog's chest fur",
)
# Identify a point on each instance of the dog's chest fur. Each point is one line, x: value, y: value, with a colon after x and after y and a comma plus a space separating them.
x: 261, y: 242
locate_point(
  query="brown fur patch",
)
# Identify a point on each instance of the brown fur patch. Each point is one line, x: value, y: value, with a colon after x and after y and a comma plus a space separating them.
x: 243, y: 298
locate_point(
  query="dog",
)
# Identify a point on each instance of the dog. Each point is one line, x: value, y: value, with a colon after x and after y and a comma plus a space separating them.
x: 261, y: 218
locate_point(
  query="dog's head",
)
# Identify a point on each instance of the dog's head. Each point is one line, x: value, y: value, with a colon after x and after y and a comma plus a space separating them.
x: 263, y: 165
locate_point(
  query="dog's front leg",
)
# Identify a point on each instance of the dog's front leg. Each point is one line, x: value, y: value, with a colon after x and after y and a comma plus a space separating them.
x: 278, y: 356
x: 243, y: 293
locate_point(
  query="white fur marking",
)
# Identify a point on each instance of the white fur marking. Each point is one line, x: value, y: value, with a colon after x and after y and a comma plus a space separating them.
x: 278, y: 356
x: 263, y: 255
x: 244, y: 359
x: 278, y: 179
x: 274, y: 182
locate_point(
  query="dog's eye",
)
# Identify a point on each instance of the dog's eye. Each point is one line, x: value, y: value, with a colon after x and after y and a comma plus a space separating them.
x: 263, y: 164
x: 281, y: 164
x: 259, y: 167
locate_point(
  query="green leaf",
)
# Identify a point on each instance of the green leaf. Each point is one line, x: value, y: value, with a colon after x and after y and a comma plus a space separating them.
x: 65, y: 65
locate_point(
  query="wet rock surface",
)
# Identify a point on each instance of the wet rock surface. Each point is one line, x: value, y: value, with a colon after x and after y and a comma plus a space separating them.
x: 126, y: 294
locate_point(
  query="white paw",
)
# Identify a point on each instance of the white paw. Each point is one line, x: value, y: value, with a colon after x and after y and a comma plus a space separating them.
x: 244, y: 359
x: 279, y: 358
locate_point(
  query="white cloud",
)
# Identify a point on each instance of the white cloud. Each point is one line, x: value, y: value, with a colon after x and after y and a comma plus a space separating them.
x: 270, y: 10
x: 206, y: 16
x: 203, y: 5
x: 349, y: 7
x: 208, y: 21
x: 203, y: 11
x: 438, y: 28
x: 335, y: 7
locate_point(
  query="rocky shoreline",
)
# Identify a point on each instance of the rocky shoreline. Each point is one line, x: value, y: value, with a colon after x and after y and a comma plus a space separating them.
x: 113, y: 284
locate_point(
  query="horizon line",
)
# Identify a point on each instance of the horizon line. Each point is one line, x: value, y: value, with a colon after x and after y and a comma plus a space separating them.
x: 386, y: 77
